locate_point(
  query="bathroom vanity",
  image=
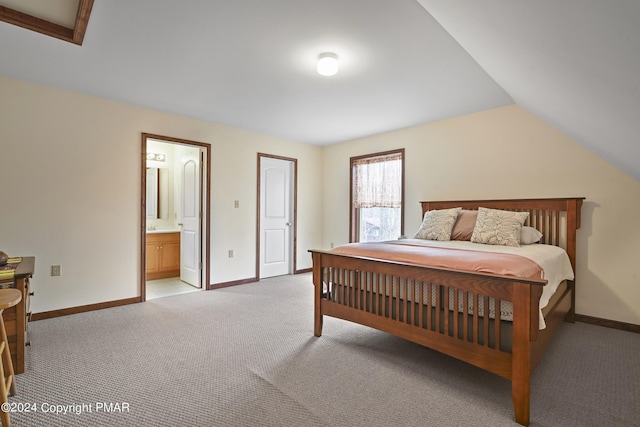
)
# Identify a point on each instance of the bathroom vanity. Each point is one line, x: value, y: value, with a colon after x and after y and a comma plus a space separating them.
x: 163, y: 255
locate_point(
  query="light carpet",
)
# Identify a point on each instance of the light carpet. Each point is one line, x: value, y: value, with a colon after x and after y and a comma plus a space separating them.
x: 246, y: 356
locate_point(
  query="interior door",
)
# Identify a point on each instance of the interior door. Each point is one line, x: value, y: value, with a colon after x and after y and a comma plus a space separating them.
x: 276, y: 217
x: 190, y: 243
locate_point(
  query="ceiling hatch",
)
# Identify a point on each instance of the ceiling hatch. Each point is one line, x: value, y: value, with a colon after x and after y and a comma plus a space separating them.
x: 63, y: 19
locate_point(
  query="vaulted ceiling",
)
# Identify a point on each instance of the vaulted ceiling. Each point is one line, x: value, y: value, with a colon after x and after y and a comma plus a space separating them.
x: 251, y: 64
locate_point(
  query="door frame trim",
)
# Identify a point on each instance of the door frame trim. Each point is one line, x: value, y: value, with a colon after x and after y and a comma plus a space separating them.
x: 295, y: 211
x: 143, y: 217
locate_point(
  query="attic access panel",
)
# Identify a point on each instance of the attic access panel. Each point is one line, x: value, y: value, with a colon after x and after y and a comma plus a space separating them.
x: 49, y: 18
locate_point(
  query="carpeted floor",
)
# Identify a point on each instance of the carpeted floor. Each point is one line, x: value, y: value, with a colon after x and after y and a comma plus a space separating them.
x: 246, y: 356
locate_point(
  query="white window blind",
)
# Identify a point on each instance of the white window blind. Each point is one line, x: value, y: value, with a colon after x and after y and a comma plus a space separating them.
x: 377, y: 181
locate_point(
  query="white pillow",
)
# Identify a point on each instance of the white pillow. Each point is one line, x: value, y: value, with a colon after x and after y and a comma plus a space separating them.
x: 437, y: 224
x: 529, y: 235
x: 498, y: 227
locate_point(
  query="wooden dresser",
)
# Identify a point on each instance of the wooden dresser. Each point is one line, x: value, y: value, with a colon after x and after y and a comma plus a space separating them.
x: 16, y: 318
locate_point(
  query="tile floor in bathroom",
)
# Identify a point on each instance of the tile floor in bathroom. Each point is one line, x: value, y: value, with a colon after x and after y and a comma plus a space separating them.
x: 167, y: 287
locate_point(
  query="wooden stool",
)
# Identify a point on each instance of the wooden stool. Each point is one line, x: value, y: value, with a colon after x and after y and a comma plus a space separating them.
x: 8, y: 298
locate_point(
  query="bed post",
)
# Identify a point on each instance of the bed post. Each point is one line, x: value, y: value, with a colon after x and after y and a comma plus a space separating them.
x: 317, y: 291
x: 574, y: 207
x: 525, y: 297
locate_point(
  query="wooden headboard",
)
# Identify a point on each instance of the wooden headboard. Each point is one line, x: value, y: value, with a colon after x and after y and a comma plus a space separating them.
x: 557, y: 219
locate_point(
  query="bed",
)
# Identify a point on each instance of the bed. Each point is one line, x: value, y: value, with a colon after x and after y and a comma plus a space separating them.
x: 445, y: 308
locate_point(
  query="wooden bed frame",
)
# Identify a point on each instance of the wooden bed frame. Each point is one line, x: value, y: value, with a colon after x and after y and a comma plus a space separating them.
x: 369, y: 290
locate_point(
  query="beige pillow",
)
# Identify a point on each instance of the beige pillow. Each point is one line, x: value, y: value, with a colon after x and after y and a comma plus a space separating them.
x: 498, y: 227
x: 437, y: 224
x: 463, y: 228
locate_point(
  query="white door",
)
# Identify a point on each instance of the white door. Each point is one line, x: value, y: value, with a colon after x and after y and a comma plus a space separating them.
x: 190, y: 244
x: 276, y: 217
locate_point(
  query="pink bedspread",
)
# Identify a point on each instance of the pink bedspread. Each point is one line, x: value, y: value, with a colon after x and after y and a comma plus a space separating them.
x: 456, y: 259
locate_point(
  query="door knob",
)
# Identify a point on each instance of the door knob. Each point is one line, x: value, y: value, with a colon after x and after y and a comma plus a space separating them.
x: 288, y: 224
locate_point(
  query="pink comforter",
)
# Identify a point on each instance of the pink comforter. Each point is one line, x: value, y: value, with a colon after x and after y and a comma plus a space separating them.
x: 455, y: 259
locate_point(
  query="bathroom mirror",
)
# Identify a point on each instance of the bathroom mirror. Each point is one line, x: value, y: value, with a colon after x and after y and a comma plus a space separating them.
x: 153, y: 190
x: 157, y: 193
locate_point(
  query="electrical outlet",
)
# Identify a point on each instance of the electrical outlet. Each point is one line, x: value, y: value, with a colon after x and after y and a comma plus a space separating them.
x: 332, y: 244
x: 230, y: 253
x: 236, y: 204
x: 55, y: 270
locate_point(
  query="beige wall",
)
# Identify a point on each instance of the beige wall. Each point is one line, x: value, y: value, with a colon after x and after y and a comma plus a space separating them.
x: 70, y: 168
x: 509, y: 153
x: 70, y: 164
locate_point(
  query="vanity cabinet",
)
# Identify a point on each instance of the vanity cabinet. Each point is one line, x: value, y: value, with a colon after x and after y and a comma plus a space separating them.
x: 163, y: 255
x: 16, y: 318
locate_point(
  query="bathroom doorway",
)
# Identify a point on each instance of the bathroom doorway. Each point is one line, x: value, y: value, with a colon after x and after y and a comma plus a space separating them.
x: 175, y: 219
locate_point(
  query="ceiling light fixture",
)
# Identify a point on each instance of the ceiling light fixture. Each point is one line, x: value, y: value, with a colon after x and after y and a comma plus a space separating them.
x: 328, y: 64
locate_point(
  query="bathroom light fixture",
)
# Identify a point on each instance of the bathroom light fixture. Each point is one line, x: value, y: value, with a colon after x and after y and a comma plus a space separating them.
x: 327, y: 64
x: 158, y: 157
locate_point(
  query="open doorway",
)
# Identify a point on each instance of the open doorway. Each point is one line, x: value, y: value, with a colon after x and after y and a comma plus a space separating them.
x: 175, y: 219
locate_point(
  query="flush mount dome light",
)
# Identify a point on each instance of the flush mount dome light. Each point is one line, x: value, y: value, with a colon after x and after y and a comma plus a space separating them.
x: 327, y: 64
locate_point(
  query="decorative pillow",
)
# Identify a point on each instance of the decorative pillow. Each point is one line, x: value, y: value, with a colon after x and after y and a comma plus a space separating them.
x: 463, y: 228
x: 498, y: 227
x: 437, y: 224
x: 529, y: 235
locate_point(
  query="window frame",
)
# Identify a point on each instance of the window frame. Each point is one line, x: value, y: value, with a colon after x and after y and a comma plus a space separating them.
x: 354, y: 223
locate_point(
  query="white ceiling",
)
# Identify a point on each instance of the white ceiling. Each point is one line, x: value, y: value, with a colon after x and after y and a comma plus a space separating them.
x: 251, y: 64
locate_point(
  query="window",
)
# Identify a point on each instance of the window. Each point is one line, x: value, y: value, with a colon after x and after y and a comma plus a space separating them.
x: 377, y: 196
